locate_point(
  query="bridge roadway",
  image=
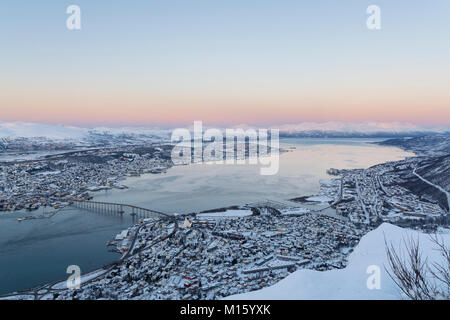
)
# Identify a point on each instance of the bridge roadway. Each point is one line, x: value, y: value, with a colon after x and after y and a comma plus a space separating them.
x: 120, y: 208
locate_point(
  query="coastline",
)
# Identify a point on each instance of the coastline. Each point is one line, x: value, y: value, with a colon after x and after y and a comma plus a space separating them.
x: 109, y: 265
x: 43, y: 291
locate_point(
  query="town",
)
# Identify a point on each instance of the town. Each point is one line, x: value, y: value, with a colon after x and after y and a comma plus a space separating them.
x: 58, y: 180
x: 221, y: 252
x: 384, y: 193
x: 209, y: 256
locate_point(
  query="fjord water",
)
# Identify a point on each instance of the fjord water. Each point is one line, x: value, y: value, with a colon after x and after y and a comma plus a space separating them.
x: 199, y: 187
x: 35, y: 252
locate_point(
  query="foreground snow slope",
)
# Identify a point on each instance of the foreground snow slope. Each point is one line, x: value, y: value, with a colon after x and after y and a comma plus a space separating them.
x: 351, y: 282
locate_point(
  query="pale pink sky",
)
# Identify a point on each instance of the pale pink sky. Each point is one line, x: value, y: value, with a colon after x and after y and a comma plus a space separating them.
x: 226, y: 62
x: 82, y: 106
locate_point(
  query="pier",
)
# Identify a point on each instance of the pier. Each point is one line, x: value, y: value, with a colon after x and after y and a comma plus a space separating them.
x: 120, y: 209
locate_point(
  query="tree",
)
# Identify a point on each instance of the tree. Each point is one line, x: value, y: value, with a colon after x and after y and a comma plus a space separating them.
x: 412, y: 273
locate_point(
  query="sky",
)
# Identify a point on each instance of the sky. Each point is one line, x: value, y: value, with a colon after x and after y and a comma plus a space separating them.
x: 260, y: 62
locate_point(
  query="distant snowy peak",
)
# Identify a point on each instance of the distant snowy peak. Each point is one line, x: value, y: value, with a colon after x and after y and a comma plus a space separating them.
x: 304, y: 129
x: 32, y: 130
x: 365, y: 129
x: 14, y: 130
x: 32, y: 137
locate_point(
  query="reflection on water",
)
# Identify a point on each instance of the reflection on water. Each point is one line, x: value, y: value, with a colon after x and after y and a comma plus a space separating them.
x: 205, y: 186
x: 38, y: 251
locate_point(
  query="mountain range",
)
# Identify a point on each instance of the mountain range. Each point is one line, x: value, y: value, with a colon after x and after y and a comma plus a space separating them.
x: 305, y: 129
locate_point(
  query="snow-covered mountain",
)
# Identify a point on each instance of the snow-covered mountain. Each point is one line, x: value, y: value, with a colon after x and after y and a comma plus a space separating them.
x: 24, y: 136
x: 61, y: 132
x: 307, y: 129
x: 437, y: 171
x: 31, y: 130
x: 364, y: 129
x: 431, y: 176
x: 434, y: 145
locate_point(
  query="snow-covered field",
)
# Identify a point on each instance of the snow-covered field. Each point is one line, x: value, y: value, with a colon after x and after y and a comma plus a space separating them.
x: 227, y: 214
x: 289, y: 211
x: 351, y: 282
x: 319, y: 199
x: 84, y: 278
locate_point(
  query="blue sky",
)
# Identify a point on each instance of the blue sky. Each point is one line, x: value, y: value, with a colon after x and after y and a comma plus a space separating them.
x: 201, y: 57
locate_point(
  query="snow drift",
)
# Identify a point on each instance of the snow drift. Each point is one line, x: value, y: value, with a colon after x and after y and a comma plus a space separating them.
x: 351, y: 282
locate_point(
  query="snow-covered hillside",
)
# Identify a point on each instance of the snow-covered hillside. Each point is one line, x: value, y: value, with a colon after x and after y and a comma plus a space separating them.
x: 50, y: 131
x: 436, y: 170
x: 431, y: 145
x: 31, y: 130
x: 24, y: 136
x: 304, y: 129
x: 350, y: 282
x: 363, y: 129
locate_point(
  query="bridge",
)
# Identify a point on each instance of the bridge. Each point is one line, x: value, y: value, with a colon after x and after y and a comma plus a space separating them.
x: 120, y: 208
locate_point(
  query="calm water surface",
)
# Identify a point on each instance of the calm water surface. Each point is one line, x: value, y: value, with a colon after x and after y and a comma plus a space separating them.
x: 38, y: 251
x: 205, y: 186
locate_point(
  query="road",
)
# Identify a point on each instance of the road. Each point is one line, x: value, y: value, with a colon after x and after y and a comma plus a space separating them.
x: 436, y: 186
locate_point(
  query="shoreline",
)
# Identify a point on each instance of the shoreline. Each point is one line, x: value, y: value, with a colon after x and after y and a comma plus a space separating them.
x: 98, y: 272
x: 36, y: 289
